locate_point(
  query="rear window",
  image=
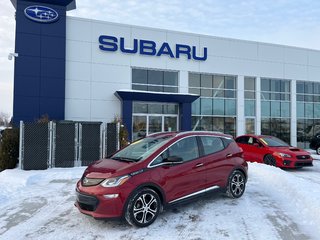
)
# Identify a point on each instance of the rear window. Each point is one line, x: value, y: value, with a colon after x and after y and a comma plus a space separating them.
x: 211, y: 144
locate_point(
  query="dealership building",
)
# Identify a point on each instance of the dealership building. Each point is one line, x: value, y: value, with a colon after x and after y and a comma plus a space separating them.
x: 159, y: 80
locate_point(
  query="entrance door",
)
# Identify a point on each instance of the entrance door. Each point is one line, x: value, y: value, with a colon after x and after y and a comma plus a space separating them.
x: 145, y: 124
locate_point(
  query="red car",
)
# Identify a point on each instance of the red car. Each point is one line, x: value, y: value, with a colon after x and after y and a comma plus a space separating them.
x: 273, y: 151
x: 160, y: 170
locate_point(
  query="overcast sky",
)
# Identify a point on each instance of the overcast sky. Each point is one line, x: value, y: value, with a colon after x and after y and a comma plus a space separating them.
x: 289, y: 22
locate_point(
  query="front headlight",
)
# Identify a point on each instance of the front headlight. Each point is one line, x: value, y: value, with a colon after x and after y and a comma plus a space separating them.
x: 115, y: 182
x: 285, y: 155
x: 87, y: 182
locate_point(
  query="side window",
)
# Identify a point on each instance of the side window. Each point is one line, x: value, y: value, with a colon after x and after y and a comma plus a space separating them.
x: 187, y: 149
x: 243, y: 140
x: 211, y: 144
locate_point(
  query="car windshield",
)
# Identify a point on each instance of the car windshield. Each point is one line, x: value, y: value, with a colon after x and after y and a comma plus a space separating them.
x: 273, y: 142
x: 141, y: 149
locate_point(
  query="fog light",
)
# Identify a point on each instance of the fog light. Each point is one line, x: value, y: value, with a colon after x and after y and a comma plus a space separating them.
x: 111, y: 196
x: 286, y: 162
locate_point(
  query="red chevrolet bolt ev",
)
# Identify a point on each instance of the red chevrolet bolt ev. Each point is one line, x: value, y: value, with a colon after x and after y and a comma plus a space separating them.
x: 160, y: 170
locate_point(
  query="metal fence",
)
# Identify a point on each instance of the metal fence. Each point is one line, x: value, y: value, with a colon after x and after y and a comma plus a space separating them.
x: 65, y: 144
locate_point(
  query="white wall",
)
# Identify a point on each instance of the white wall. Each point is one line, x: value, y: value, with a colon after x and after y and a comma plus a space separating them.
x: 92, y: 75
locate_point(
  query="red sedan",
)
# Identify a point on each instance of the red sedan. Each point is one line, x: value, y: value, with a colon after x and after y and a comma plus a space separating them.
x: 273, y: 151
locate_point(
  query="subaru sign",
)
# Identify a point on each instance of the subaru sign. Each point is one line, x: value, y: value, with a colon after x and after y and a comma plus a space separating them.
x: 148, y: 47
x: 41, y: 14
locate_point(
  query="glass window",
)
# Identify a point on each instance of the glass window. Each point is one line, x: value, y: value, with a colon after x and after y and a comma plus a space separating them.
x: 187, y: 149
x: 196, y: 107
x: 230, y: 126
x: 249, y: 95
x: 218, y: 124
x: 211, y: 144
x: 140, y: 87
x: 230, y: 82
x: 275, y: 85
x: 194, y: 91
x: 250, y: 125
x: 155, y: 88
x: 300, y: 87
x: 206, y: 92
x: 249, y: 83
x: 275, y: 109
x: 155, y: 108
x: 229, y: 94
x: 206, y: 124
x: 218, y: 107
x: 194, y: 80
x: 265, y: 109
x: 140, y: 107
x: 218, y: 81
x: 230, y: 107
x: 285, y: 109
x: 155, y: 77
x: 170, y: 78
x: 265, y: 84
x: 139, y: 76
x: 206, y: 106
x: 300, y: 109
x: 170, y: 108
x: 316, y: 110
x: 308, y: 108
x: 308, y: 87
x: 206, y: 81
x: 249, y: 108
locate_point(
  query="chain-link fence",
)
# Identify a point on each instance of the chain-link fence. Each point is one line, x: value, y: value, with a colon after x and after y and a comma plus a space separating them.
x: 65, y: 144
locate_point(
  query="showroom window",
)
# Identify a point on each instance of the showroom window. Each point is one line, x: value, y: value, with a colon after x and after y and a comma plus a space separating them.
x: 250, y: 104
x: 215, y: 110
x: 308, y: 111
x: 275, y: 108
x: 154, y: 80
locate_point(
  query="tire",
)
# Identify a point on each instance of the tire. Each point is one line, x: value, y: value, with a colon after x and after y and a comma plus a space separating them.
x: 269, y: 160
x: 318, y: 150
x: 236, y: 184
x: 143, y: 208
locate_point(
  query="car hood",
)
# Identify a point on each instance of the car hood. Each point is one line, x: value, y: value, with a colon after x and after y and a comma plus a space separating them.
x: 290, y: 150
x: 106, y: 168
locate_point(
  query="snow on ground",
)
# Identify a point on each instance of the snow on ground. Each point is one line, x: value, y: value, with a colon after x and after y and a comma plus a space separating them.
x: 277, y: 204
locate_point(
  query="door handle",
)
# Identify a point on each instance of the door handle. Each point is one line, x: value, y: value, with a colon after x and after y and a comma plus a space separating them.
x: 199, y: 165
x: 229, y: 155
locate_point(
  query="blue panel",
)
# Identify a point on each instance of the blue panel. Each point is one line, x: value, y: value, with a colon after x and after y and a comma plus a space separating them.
x: 48, y: 48
x: 156, y: 97
x: 51, y: 107
x: 27, y: 66
x: 27, y: 86
x: 185, y: 116
x: 52, y: 68
x: 53, y: 87
x: 43, y: 75
x: 32, y: 41
x: 27, y: 108
x: 127, y: 116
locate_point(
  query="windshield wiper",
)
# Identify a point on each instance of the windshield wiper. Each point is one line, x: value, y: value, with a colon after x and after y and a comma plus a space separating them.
x: 125, y: 159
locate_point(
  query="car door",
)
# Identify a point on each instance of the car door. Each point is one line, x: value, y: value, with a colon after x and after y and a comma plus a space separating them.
x: 243, y: 143
x: 181, y: 180
x: 214, y: 159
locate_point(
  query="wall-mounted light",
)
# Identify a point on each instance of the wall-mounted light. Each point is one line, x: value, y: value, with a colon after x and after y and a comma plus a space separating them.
x: 12, y: 55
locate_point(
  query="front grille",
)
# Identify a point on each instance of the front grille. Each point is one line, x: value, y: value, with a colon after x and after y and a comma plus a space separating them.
x: 87, y: 202
x: 303, y: 164
x: 303, y: 157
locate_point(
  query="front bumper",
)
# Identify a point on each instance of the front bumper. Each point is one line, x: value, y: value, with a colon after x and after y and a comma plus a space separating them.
x: 296, y: 164
x: 98, y: 206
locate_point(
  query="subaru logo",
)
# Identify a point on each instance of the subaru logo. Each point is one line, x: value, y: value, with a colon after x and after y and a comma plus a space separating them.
x: 41, y: 14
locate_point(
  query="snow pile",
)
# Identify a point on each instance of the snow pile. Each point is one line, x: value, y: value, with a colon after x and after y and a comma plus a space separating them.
x: 277, y: 204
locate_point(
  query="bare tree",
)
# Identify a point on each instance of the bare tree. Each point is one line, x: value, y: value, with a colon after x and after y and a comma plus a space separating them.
x: 4, y: 119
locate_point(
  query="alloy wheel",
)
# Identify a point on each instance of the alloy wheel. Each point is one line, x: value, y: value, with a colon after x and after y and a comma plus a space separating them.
x: 145, y: 208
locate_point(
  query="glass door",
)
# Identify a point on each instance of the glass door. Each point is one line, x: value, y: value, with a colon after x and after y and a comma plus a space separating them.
x: 146, y: 124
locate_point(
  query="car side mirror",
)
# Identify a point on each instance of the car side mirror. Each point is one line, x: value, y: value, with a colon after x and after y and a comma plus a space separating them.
x: 257, y: 145
x: 173, y: 160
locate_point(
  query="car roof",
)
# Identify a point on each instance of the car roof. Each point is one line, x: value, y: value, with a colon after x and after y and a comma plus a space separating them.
x: 256, y: 136
x: 189, y: 133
